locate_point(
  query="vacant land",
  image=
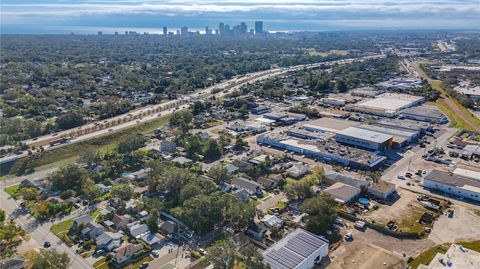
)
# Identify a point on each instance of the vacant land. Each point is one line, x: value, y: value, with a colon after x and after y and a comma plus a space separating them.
x: 464, y: 225
x: 362, y: 255
x: 405, y: 212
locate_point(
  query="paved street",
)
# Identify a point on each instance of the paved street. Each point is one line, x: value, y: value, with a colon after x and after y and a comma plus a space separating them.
x: 39, y: 232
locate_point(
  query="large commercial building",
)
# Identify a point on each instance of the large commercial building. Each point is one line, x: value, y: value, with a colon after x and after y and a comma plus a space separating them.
x: 364, y: 138
x: 298, y: 250
x: 327, y: 150
x: 387, y: 104
x: 401, y: 137
x: 329, y: 125
x: 259, y: 27
x: 424, y: 113
x: 456, y: 184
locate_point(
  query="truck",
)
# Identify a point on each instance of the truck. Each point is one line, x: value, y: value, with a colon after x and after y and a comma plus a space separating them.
x: 59, y: 141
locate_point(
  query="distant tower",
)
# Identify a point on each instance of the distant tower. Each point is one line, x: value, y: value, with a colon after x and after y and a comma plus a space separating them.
x: 221, y: 28
x: 165, y: 30
x: 243, y: 28
x: 184, y: 30
x: 116, y: 33
x: 258, y: 27
x: 99, y: 33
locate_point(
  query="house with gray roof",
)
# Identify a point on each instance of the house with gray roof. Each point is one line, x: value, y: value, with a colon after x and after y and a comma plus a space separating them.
x: 109, y: 241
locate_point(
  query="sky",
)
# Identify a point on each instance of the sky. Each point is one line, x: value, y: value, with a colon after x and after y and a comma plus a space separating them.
x: 90, y: 16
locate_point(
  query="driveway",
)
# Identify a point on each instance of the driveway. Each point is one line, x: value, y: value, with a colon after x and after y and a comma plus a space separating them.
x: 271, y: 202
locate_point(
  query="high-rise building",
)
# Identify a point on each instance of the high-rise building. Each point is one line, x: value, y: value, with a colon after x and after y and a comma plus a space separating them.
x: 184, y: 30
x: 116, y: 33
x: 243, y: 28
x: 165, y: 30
x: 99, y: 33
x: 208, y: 31
x: 258, y: 27
x: 221, y: 28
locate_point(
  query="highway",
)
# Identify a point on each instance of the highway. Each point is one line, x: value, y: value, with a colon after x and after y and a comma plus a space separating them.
x: 152, y: 112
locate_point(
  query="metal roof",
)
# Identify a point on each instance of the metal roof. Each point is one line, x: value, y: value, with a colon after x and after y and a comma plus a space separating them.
x: 364, y: 134
x: 292, y: 250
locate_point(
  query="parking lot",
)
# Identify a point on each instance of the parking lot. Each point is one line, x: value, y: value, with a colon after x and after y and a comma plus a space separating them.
x: 463, y: 225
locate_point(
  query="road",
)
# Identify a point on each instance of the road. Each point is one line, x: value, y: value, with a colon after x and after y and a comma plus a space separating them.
x: 401, y: 166
x: 151, y: 112
x: 39, y: 232
x: 414, y: 69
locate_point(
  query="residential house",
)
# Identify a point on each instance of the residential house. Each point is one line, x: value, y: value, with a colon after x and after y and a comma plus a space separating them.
x: 256, y: 231
x: 382, y: 189
x: 167, y: 146
x: 298, y: 170
x: 120, y: 222
x: 138, y: 230
x: 109, y: 241
x: 15, y: 262
x: 343, y: 193
x: 267, y: 183
x: 182, y: 160
x: 239, y: 240
x: 80, y: 220
x: 152, y: 239
x: 125, y: 252
x: 242, y: 195
x: 92, y: 230
x: 168, y: 227
x: 231, y: 169
x: 103, y: 189
x: 253, y: 188
x: 272, y: 220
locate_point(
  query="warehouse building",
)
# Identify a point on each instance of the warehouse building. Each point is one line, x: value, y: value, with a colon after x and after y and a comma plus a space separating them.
x: 298, y: 250
x: 387, y: 104
x: 329, y: 125
x: 424, y: 113
x: 331, y: 177
x: 405, y: 124
x: 454, y: 184
x: 456, y: 257
x: 401, y: 138
x: 328, y: 151
x: 364, y: 138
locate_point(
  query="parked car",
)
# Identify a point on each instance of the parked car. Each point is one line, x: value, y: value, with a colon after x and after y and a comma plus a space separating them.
x: 359, y: 224
x: 349, y: 236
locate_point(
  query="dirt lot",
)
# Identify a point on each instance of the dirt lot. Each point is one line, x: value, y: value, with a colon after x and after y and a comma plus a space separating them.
x: 406, y: 212
x: 463, y: 226
x: 361, y: 255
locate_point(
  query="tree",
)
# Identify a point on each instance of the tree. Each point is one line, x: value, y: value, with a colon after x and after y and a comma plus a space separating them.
x: 69, y: 120
x: 240, y: 144
x: 123, y: 191
x: 221, y: 255
x: 321, y: 212
x: 68, y: 177
x: 152, y: 221
x: 212, y: 150
x: 252, y: 258
x: 219, y: 174
x: 131, y: 143
x: 90, y: 190
x: 2, y: 215
x: 50, y: 259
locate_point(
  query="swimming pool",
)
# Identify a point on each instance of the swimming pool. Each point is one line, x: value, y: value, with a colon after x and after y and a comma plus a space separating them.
x: 364, y: 201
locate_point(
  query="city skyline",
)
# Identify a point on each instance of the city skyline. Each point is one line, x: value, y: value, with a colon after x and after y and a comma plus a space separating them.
x: 54, y: 16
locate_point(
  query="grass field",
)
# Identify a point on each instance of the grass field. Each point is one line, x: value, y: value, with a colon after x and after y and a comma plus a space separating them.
x: 12, y: 190
x: 313, y: 52
x: 102, y: 144
x: 473, y: 245
x: 61, y: 227
x: 456, y: 121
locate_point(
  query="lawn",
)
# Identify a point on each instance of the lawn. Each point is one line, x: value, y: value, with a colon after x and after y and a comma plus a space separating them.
x: 473, y: 245
x: 12, y: 190
x: 95, y: 214
x: 101, y: 264
x: 427, y: 256
x: 71, y: 153
x: 60, y: 230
